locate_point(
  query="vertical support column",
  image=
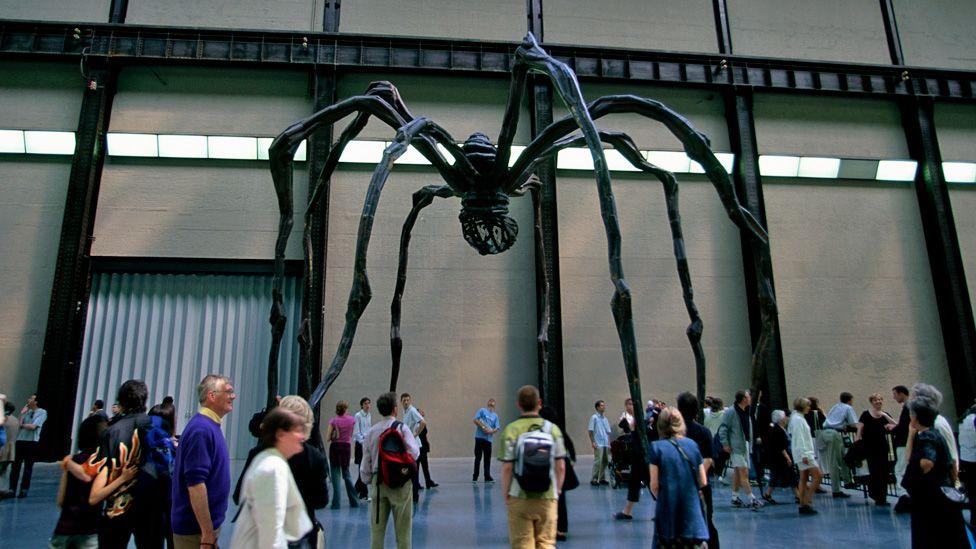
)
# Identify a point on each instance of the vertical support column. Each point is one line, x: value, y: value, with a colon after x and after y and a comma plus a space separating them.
x: 939, y: 229
x: 748, y: 185
x: 550, y: 359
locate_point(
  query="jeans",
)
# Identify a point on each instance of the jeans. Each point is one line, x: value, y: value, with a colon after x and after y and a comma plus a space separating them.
x: 336, y: 471
x: 482, y: 450
x: 25, y: 451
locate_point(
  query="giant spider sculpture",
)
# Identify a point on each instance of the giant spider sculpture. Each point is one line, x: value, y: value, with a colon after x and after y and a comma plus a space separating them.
x: 481, y: 177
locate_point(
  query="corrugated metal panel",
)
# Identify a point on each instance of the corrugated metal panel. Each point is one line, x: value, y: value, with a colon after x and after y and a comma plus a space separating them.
x: 170, y: 330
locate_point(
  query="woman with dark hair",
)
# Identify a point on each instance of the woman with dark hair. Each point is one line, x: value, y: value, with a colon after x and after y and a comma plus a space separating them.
x: 571, y: 481
x: 936, y: 521
x: 873, y: 434
x: 677, y: 473
x: 77, y: 525
x: 272, y: 512
x: 339, y: 435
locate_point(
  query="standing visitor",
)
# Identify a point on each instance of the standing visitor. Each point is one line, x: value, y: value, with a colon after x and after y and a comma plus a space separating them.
x: 424, y: 452
x: 899, y: 440
x: 702, y: 437
x: 677, y: 474
x: 486, y: 425
x: 32, y: 418
x: 714, y: 414
x: 599, y: 432
x: 639, y: 475
x: 272, y: 513
x: 531, y: 440
x: 339, y: 435
x: 414, y: 421
x: 571, y: 481
x: 130, y: 505
x: 840, y: 419
x: 308, y: 468
x: 76, y: 527
x: 363, y: 422
x: 201, y: 480
x: 778, y: 457
x: 936, y: 521
x: 873, y: 433
x: 388, y: 495
x: 737, y: 433
x: 967, y: 458
x: 11, y: 428
x: 805, y: 454
x: 626, y: 420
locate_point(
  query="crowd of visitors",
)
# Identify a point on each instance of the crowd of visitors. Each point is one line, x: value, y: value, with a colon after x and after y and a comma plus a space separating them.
x: 134, y: 478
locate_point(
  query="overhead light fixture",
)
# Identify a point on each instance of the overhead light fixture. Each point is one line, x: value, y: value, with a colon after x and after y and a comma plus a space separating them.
x: 412, y: 157
x: 574, y: 158
x: 517, y: 151
x: 727, y: 160
x: 232, y: 148
x: 45, y: 142
x: 675, y: 162
x: 301, y: 153
x: 446, y: 154
x: 617, y: 162
x: 811, y: 166
x: 11, y: 141
x: 959, y: 172
x: 133, y: 144
x: 182, y: 146
x: 896, y: 170
x: 779, y: 166
x: 362, y: 152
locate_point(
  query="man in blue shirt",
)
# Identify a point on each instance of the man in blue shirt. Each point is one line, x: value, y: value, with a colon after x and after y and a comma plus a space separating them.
x: 486, y: 422
x: 32, y: 419
x: 599, y: 430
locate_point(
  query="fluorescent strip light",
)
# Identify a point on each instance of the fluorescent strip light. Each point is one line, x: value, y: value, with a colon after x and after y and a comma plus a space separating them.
x: 264, y: 143
x: 133, y: 144
x: 811, y: 166
x: 446, y: 154
x: 675, y: 162
x: 617, y: 162
x: 574, y: 159
x: 363, y: 152
x: 232, y: 148
x: 412, y: 157
x: 301, y: 153
x: 896, y: 170
x: 727, y: 160
x: 779, y: 166
x: 183, y: 146
x: 11, y: 141
x: 959, y: 172
x: 42, y: 142
x: 517, y: 151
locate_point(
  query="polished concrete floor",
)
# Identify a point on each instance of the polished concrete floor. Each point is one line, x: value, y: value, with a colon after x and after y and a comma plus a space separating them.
x: 462, y: 514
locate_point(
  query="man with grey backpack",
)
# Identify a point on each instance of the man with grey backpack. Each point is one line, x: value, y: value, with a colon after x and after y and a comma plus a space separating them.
x: 532, y: 473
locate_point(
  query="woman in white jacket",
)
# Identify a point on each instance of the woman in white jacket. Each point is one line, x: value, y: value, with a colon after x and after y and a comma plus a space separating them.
x: 804, y: 455
x: 273, y: 513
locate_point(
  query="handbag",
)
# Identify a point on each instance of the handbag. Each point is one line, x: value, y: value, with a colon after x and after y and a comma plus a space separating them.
x: 955, y: 495
x: 571, y: 481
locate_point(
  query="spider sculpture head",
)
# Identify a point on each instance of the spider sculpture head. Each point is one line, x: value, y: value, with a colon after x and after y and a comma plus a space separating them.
x: 485, y: 222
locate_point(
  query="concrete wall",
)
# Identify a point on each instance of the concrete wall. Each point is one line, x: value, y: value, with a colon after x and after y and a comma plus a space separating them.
x: 503, y: 20
x: 32, y: 194
x: 937, y: 33
x: 468, y: 321
x: 246, y: 14
x: 80, y: 11
x: 679, y: 26
x: 827, y: 30
x: 954, y: 124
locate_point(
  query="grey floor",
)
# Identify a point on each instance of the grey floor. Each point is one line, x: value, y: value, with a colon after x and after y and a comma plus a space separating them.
x: 462, y: 514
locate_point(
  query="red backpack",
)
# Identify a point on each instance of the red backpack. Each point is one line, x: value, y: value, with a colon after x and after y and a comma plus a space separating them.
x: 396, y: 466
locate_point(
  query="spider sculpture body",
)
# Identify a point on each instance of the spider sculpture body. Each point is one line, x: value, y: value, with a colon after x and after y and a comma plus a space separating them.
x: 481, y: 178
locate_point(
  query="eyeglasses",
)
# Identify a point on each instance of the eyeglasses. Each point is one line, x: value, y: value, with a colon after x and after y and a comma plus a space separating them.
x: 228, y: 391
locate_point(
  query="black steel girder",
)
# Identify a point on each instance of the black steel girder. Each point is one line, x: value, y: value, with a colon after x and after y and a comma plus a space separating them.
x: 134, y: 44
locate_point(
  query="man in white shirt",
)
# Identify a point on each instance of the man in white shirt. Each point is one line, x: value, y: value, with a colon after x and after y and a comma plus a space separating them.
x: 840, y: 418
x: 386, y: 500
x: 363, y: 423
x: 599, y: 432
x: 414, y: 421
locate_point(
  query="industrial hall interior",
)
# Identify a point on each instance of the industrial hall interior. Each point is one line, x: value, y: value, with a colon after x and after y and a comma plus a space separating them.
x: 459, y: 273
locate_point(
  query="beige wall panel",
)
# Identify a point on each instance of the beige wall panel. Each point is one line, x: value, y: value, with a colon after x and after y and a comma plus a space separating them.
x: 468, y: 321
x: 80, y: 11
x: 964, y: 212
x: 203, y: 101
x: 462, y: 106
x: 857, y: 309
x: 243, y: 14
x: 703, y: 109
x: 638, y: 24
x: 40, y: 96
x: 207, y: 209
x: 956, y: 128
x: 829, y: 126
x: 31, y: 207
x: 502, y: 20
x: 937, y: 33
x: 592, y: 357
x: 829, y: 30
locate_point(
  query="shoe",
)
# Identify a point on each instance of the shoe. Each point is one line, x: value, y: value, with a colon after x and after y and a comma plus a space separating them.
x: 354, y: 504
x: 841, y: 495
x: 770, y: 500
x: 822, y: 490
x: 594, y: 483
x: 755, y: 505
x: 475, y: 479
x: 807, y: 510
x: 723, y: 480
x: 623, y: 516
x: 432, y: 485
x: 6, y: 494
x: 22, y: 494
x: 489, y: 479
x: 850, y: 486
x: 560, y: 536
x: 604, y: 483
x: 737, y: 502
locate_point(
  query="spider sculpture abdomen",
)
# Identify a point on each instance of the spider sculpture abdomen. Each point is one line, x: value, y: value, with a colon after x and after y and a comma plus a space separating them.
x: 485, y: 222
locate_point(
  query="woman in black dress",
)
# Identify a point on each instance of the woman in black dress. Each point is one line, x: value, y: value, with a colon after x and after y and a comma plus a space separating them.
x: 936, y: 521
x: 781, y: 473
x: 874, y: 437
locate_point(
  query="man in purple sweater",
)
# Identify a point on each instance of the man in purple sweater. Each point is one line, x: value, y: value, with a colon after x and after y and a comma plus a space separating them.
x: 201, y: 479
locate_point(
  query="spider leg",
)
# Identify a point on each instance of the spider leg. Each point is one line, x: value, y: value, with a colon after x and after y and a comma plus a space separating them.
x: 623, y: 144
x: 360, y: 293
x: 421, y: 199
